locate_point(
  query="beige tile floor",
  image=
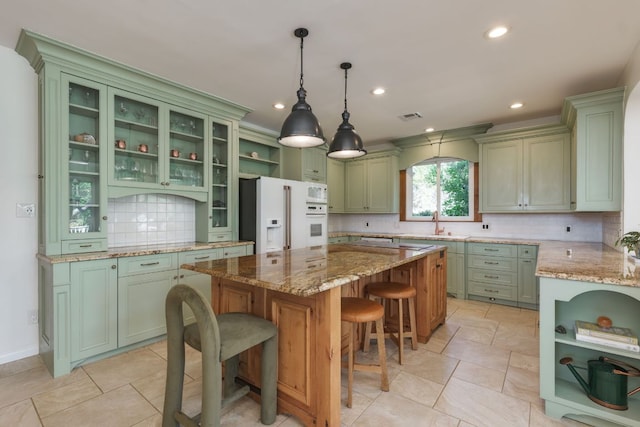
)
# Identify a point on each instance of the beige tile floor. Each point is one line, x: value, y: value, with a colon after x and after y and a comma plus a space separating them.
x: 479, y: 369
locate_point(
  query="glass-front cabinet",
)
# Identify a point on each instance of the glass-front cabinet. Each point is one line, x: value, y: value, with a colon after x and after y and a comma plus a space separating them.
x: 214, y: 221
x: 220, y: 176
x: 83, y: 211
x: 107, y: 130
x: 155, y: 145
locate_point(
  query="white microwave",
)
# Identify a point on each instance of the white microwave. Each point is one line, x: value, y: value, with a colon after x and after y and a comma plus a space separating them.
x: 316, y: 193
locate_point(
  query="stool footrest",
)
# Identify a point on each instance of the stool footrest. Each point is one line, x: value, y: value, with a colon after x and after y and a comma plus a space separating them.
x: 235, y: 395
x: 186, y: 420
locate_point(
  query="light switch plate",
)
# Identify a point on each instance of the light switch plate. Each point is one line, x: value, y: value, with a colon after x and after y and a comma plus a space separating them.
x: 25, y: 210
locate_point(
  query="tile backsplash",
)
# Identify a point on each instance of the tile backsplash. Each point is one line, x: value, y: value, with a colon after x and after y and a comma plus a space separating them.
x: 150, y: 219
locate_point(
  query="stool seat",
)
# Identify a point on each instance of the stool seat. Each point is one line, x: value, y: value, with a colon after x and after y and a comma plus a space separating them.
x: 359, y: 310
x: 391, y: 290
x: 395, y: 326
x: 238, y: 332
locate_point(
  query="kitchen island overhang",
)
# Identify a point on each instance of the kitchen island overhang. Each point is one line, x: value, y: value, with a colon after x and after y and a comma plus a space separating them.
x: 300, y: 290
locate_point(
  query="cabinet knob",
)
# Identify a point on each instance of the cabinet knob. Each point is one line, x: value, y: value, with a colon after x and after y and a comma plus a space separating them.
x: 113, y: 267
x: 104, y: 218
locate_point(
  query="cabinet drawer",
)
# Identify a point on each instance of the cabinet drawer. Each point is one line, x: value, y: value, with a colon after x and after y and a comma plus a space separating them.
x: 190, y: 257
x: 504, y: 278
x: 147, y: 264
x: 493, y: 263
x: 493, y: 291
x: 527, y: 251
x: 493, y: 249
x: 220, y: 236
x: 83, y: 246
x: 234, y: 251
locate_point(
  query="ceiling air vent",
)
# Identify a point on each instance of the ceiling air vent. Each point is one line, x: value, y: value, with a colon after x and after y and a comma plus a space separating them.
x: 411, y: 116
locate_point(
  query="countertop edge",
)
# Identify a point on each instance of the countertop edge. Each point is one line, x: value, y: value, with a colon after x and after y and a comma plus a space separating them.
x: 129, y: 251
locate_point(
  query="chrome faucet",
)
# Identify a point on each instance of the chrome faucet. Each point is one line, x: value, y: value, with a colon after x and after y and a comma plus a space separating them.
x: 435, y: 218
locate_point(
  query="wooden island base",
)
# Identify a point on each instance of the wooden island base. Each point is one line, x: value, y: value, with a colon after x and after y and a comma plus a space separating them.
x: 311, y: 338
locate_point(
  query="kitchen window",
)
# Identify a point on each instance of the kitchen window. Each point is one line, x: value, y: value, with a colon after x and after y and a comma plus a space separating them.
x: 445, y: 185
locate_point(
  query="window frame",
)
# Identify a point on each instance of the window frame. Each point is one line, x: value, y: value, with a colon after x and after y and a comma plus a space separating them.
x: 406, y: 189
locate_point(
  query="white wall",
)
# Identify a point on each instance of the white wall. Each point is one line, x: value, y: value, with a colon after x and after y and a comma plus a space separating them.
x: 18, y: 178
x: 631, y: 79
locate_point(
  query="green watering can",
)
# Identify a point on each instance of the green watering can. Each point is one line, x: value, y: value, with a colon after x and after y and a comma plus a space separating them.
x: 607, y: 384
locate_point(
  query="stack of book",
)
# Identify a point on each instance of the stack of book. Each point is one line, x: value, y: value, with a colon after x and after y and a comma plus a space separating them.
x: 614, y: 336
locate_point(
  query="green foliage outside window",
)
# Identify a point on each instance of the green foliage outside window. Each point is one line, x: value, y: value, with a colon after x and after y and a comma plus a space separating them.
x: 442, y: 185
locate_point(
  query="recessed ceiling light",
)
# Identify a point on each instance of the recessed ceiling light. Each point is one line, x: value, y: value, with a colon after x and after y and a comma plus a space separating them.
x: 497, y: 32
x: 429, y: 129
x: 516, y: 105
x: 278, y: 106
x: 378, y: 91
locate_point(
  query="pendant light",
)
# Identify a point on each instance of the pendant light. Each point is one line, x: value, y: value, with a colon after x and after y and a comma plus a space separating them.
x: 301, y: 129
x: 346, y: 143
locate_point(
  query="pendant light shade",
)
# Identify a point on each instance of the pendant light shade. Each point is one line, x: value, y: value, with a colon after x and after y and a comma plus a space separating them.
x: 301, y: 128
x: 346, y: 143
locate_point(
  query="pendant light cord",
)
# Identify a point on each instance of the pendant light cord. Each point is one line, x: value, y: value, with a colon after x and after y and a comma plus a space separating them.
x: 301, y: 61
x: 345, y: 89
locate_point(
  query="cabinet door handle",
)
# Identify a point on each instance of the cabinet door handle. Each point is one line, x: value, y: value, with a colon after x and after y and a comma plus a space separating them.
x: 202, y: 257
x: 492, y: 291
x: 86, y: 246
x: 528, y: 261
x: 491, y: 277
x: 490, y: 250
x: 491, y: 262
x: 147, y: 264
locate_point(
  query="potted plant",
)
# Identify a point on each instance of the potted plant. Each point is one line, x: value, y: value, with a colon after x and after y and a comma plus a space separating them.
x: 631, y: 241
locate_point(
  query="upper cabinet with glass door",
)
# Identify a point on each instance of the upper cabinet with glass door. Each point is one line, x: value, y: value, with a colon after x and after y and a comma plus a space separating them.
x: 83, y: 218
x: 214, y: 218
x: 111, y: 131
x: 156, y: 146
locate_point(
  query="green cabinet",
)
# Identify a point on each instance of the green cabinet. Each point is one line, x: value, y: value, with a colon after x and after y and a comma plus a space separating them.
x: 305, y: 164
x: 527, y: 280
x: 156, y: 146
x: 93, y: 308
x: 562, y: 302
x: 371, y: 184
x: 215, y: 220
x: 258, y: 153
x: 502, y: 273
x: 81, y: 217
x: 108, y: 130
x: 526, y: 170
x: 335, y: 185
x: 596, y: 123
x: 143, y: 284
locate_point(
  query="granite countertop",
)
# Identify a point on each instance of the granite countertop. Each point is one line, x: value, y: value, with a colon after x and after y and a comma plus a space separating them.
x: 308, y: 271
x: 587, y: 262
x: 127, y: 251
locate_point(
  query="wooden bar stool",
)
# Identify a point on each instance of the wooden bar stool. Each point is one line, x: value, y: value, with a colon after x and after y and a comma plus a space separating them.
x: 220, y: 339
x: 360, y: 310
x: 399, y: 292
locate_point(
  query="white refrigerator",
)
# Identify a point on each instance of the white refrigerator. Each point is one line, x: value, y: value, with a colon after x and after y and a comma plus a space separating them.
x: 280, y: 214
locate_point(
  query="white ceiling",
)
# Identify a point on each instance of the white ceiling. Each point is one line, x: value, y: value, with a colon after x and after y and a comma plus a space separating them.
x: 430, y: 55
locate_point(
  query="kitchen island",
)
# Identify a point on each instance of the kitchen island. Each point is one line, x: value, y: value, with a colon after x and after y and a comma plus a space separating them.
x: 300, y: 290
